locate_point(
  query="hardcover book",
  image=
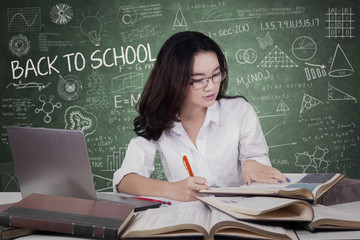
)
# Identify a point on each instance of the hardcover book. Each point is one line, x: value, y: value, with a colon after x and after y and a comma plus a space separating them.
x: 82, y: 217
x: 7, y: 232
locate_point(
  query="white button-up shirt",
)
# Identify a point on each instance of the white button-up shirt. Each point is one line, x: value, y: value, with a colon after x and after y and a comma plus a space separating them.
x: 230, y: 134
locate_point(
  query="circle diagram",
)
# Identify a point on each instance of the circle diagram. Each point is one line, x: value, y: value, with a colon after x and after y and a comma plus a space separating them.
x: 69, y: 87
x: 304, y: 48
x: 246, y: 56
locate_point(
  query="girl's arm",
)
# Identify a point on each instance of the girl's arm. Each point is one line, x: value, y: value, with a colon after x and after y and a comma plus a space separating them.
x: 185, y: 190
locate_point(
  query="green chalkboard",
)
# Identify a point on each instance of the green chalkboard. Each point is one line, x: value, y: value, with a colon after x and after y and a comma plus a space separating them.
x: 83, y: 64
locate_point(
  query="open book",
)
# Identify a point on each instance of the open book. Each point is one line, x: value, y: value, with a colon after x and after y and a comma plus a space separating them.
x: 330, y: 218
x: 262, y: 208
x: 307, y: 186
x: 197, y: 219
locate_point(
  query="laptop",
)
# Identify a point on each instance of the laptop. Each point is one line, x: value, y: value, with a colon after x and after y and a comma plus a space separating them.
x: 56, y: 162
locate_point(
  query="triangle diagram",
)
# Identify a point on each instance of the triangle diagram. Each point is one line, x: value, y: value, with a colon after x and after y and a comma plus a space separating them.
x: 180, y: 19
x: 308, y: 102
x: 102, y: 183
x: 282, y: 107
x: 335, y: 94
x: 277, y: 58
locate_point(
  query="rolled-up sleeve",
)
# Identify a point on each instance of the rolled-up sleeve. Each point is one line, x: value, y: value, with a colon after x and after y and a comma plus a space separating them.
x: 252, y: 143
x: 139, y: 158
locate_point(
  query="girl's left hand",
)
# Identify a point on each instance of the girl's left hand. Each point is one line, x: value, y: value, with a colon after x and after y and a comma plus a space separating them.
x: 253, y: 171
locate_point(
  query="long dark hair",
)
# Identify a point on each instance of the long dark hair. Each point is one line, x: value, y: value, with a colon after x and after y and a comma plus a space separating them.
x: 166, y: 87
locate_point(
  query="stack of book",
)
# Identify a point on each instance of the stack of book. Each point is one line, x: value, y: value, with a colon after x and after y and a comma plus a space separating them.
x: 257, y: 211
x: 81, y: 217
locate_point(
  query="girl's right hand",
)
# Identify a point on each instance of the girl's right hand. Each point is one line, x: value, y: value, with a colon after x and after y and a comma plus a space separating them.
x: 188, y: 189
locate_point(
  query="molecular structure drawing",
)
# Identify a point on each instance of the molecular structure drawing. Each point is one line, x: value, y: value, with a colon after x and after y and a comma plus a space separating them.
x: 47, y: 107
x: 314, y: 162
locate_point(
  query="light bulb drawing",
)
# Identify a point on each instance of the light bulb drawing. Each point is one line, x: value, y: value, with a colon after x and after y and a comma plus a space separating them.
x: 92, y: 27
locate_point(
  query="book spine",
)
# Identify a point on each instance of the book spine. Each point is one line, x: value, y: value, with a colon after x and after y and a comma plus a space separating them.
x: 56, y: 226
x: 2, y: 230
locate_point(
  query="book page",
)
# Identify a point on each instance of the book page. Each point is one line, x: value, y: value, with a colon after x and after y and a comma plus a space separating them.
x: 218, y: 216
x: 325, y: 212
x: 297, y: 181
x: 263, y: 187
x: 161, y: 219
x: 249, y: 205
x: 313, y: 181
x: 220, y: 219
x: 294, y: 178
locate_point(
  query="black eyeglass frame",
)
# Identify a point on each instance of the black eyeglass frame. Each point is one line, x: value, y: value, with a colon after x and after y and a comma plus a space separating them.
x: 223, y: 75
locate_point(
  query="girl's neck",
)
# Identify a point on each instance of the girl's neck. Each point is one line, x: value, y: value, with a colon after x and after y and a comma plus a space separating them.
x: 192, y: 119
x: 188, y: 114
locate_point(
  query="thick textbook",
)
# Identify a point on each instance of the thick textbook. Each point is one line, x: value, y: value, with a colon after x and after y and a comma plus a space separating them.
x: 197, y: 219
x: 262, y: 208
x: 307, y: 186
x: 14, y: 232
x: 82, y: 217
x: 326, y: 217
x: 7, y: 232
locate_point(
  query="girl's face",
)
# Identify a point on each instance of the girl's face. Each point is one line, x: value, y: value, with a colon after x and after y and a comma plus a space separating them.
x: 206, y: 65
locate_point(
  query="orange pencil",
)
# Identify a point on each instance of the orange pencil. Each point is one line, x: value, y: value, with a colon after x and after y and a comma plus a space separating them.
x: 187, y: 166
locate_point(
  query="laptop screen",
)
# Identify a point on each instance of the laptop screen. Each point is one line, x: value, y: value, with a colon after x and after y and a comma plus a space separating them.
x: 51, y: 161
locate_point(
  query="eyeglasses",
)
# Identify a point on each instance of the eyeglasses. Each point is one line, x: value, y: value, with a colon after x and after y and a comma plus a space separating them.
x: 202, y: 83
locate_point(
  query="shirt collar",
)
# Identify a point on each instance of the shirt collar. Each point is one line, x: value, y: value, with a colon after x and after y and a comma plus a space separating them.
x: 177, y: 128
x: 212, y: 115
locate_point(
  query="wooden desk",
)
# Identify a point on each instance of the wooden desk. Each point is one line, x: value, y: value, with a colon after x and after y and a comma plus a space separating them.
x: 351, y: 207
